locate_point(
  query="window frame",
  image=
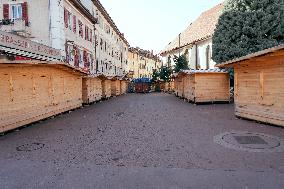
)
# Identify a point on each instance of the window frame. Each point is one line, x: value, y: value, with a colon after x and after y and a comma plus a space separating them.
x: 11, y: 10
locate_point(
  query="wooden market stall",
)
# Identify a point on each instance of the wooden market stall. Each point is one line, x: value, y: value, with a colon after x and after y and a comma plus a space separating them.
x: 259, y: 85
x: 115, y: 86
x: 123, y: 86
x: 106, y: 87
x: 92, y: 89
x: 34, y: 90
x: 203, y: 86
x: 179, y: 85
x: 169, y: 86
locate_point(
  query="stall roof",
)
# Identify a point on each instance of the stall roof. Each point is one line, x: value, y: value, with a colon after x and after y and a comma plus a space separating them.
x: 193, y: 71
x: 250, y: 56
x: 60, y: 65
x: 26, y: 54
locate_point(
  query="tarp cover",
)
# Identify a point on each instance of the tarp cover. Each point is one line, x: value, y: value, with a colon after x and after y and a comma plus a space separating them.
x: 142, y: 80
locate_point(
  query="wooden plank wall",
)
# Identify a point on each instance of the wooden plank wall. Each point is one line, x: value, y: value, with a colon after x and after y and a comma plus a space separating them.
x: 179, y: 89
x: 117, y: 87
x: 113, y: 88
x: 33, y: 92
x: 204, y: 87
x: 189, y: 87
x: 212, y: 87
x: 259, y: 89
x: 172, y: 86
x: 108, y: 88
x: 123, y: 86
x: 92, y: 90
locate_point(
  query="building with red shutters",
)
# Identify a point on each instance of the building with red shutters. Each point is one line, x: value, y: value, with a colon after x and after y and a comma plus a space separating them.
x: 83, y: 31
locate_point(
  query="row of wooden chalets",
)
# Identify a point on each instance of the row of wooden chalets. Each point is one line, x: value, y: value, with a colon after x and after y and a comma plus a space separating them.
x: 73, y: 53
x: 258, y: 85
x: 34, y: 90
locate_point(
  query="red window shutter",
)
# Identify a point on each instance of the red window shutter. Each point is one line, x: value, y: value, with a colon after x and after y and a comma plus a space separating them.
x: 6, y: 11
x: 74, y: 24
x: 76, y: 56
x: 67, y: 52
x: 25, y: 13
x: 85, y: 59
x: 66, y: 18
x: 86, y: 32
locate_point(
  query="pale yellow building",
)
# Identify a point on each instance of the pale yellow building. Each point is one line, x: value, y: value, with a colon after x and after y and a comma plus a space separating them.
x: 142, y: 63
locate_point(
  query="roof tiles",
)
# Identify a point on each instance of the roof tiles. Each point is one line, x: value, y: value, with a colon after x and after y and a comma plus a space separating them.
x: 200, y: 29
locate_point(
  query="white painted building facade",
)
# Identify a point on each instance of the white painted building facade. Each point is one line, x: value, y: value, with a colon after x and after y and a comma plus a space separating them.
x: 82, y: 30
x: 195, y: 42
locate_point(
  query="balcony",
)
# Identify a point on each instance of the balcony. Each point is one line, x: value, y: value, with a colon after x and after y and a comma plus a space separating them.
x: 18, y: 27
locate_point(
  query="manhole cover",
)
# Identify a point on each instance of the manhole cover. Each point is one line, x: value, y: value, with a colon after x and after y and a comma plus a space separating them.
x: 253, y: 142
x: 249, y: 140
x: 30, y: 147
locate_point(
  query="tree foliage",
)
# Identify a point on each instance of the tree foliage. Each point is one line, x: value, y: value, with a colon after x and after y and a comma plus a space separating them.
x: 165, y: 73
x: 180, y: 63
x: 248, y: 26
x: 155, y: 76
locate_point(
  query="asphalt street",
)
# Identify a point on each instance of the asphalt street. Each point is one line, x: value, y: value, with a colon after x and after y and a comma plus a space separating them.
x: 138, y: 141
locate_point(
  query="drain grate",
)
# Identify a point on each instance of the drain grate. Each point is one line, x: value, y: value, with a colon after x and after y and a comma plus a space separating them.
x: 30, y: 147
x: 249, y: 140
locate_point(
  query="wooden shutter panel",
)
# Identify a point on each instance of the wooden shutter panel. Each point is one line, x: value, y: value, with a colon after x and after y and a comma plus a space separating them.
x: 6, y: 11
x: 85, y: 59
x: 74, y: 24
x: 67, y: 52
x: 76, y: 56
x: 91, y: 35
x: 86, y: 32
x: 25, y: 13
x: 66, y: 18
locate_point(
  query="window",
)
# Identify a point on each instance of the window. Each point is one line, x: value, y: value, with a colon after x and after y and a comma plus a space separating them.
x: 16, y: 11
x: 81, y: 60
x: 97, y: 65
x: 91, y: 35
x: 81, y: 33
x: 100, y: 22
x: 69, y: 21
x: 208, y: 57
x: 86, y: 33
x: 107, y: 29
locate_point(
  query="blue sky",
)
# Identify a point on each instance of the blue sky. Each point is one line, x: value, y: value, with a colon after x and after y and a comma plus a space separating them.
x: 152, y: 24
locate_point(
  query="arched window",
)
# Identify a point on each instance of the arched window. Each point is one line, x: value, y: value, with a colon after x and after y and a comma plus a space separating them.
x: 208, y: 57
x: 186, y: 54
x: 169, y: 61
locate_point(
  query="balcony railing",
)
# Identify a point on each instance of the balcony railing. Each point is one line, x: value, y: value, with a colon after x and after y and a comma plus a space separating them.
x: 18, y: 27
